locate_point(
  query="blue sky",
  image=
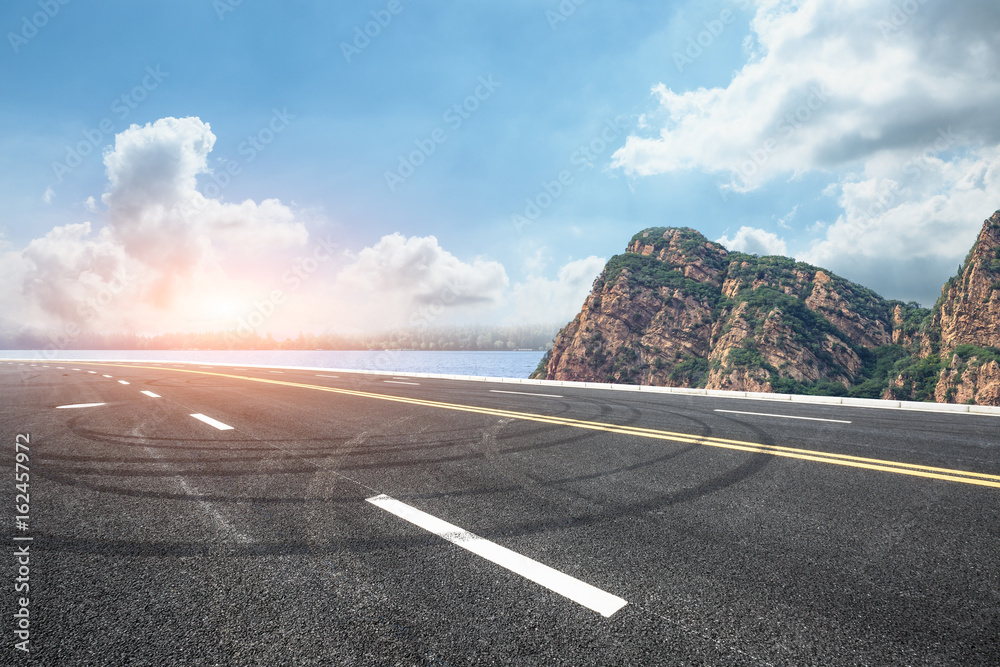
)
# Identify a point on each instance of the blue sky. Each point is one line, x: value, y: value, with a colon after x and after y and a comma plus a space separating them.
x: 861, y: 136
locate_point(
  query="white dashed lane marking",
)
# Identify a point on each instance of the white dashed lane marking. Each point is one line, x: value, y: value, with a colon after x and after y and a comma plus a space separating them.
x: 212, y: 422
x: 578, y: 591
x: 767, y: 414
x: 524, y: 393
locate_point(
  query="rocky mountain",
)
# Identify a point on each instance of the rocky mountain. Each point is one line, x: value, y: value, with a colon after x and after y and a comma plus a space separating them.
x: 679, y: 310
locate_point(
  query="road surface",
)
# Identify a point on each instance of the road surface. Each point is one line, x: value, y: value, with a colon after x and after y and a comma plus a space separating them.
x: 231, y: 515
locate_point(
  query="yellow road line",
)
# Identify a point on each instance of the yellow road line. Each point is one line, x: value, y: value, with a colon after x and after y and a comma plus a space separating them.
x: 898, y: 467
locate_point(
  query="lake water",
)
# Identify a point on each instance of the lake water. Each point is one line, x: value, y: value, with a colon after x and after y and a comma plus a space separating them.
x: 490, y: 364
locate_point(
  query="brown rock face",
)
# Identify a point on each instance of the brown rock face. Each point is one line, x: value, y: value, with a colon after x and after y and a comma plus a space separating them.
x: 962, y: 383
x: 678, y: 310
x: 965, y: 325
x: 969, y: 309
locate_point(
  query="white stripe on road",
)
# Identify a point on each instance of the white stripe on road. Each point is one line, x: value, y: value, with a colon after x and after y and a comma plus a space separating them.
x: 150, y: 394
x: 276, y: 371
x: 91, y: 372
x: 122, y: 382
x: 328, y: 376
x: 578, y: 591
x: 212, y: 422
x: 399, y: 382
x: 79, y: 405
x: 767, y: 414
x: 524, y: 393
x: 107, y: 376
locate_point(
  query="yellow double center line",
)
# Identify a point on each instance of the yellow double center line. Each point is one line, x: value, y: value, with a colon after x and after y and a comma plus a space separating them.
x: 897, y: 467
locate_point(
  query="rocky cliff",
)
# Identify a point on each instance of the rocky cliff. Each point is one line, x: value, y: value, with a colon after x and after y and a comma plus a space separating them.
x: 679, y: 310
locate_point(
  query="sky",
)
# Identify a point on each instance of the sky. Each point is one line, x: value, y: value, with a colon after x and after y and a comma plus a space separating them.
x: 203, y: 165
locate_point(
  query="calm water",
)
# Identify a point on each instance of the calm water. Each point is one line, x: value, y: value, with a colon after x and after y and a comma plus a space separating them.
x: 490, y: 364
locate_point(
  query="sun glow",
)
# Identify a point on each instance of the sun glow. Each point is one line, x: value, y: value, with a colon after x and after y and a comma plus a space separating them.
x: 222, y: 307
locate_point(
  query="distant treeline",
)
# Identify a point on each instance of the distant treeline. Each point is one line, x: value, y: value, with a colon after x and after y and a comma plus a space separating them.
x: 468, y: 338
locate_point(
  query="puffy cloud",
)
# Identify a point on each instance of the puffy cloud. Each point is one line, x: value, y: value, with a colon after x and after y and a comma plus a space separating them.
x: 403, y: 281
x: 895, y: 100
x: 829, y: 83
x: 907, y: 224
x: 70, y: 274
x: 540, y: 299
x: 156, y: 210
x: 755, y: 241
x: 166, y: 246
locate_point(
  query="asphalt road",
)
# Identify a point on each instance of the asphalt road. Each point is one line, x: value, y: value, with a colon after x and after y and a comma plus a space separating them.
x: 339, y: 519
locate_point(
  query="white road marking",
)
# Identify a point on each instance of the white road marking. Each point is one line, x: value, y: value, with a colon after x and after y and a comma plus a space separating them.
x: 578, y: 591
x: 79, y: 405
x: 60, y: 368
x: 76, y: 369
x: 107, y: 376
x: 767, y: 414
x: 276, y: 371
x: 150, y: 394
x: 212, y: 422
x: 92, y: 372
x: 399, y: 382
x: 122, y: 382
x: 328, y: 376
x: 524, y: 393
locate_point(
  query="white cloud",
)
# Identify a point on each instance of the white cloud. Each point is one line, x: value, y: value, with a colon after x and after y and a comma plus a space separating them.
x: 895, y: 101
x: 540, y: 299
x: 72, y: 274
x: 824, y: 88
x: 755, y: 242
x: 48, y: 195
x: 907, y: 224
x: 165, y: 249
x: 411, y: 281
x: 788, y: 217
x: 157, y: 212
